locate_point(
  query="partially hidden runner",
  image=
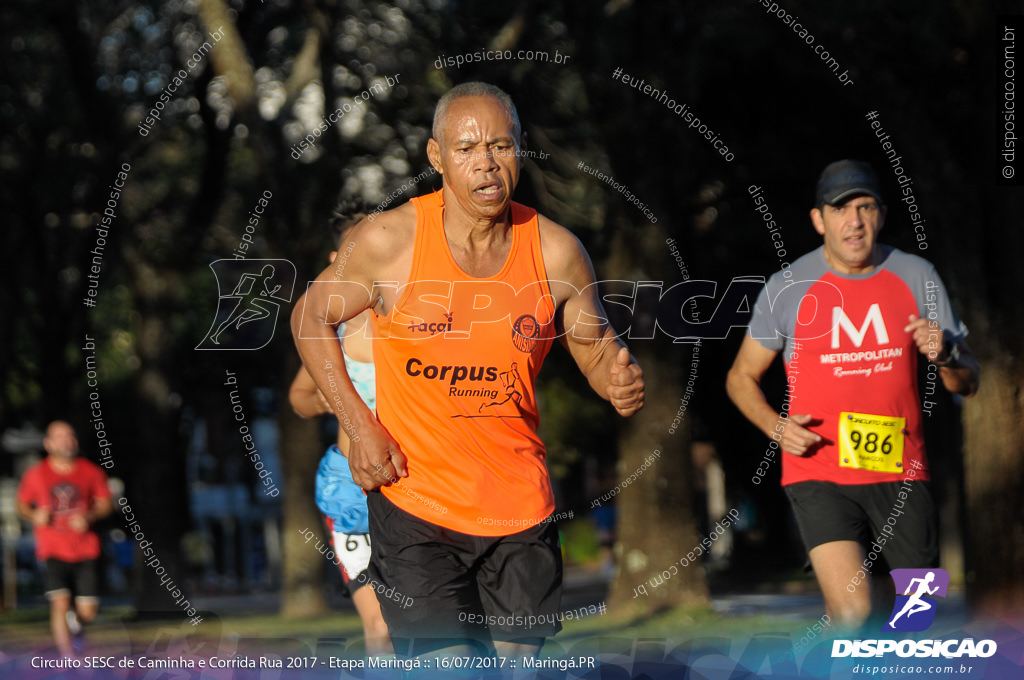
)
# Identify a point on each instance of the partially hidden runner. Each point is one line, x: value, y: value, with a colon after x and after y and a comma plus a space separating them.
x: 339, y: 498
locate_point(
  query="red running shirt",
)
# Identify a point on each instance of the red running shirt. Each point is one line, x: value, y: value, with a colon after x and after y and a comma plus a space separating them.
x: 850, y: 364
x: 64, y: 495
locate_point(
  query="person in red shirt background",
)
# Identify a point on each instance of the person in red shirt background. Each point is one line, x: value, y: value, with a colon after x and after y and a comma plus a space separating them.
x: 63, y: 496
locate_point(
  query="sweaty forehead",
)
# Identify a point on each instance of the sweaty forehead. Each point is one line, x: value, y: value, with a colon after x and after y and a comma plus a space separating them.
x: 473, y: 117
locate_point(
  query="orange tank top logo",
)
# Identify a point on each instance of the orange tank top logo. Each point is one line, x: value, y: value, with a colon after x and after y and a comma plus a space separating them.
x: 432, y: 328
x: 525, y: 332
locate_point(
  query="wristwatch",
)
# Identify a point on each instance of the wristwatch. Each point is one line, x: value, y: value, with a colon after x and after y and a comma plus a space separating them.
x: 954, y: 356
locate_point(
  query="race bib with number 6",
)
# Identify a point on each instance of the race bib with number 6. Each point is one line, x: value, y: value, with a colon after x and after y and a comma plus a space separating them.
x: 353, y: 551
x: 868, y: 442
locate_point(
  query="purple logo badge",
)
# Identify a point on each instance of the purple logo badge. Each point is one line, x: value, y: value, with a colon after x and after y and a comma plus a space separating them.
x: 915, y: 592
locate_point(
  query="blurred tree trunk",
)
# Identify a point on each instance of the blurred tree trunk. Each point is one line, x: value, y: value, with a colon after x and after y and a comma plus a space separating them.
x: 990, y: 289
x: 655, y: 526
x: 303, y: 565
x: 994, y: 448
x: 157, y: 471
x: 994, y: 470
x: 303, y: 568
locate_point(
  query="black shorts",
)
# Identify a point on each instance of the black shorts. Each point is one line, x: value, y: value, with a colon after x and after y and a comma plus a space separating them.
x: 902, y: 533
x: 438, y: 587
x: 64, y: 578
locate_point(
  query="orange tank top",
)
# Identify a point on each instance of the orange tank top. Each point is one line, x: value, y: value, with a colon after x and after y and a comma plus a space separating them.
x: 457, y: 358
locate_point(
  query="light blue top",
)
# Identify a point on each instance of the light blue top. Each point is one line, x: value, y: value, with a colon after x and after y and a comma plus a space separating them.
x: 337, y: 494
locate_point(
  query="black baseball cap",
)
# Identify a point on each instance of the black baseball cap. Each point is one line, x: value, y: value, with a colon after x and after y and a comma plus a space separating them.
x: 845, y: 179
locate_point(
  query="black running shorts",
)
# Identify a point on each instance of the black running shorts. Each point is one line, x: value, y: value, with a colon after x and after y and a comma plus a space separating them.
x: 438, y: 587
x: 63, y: 578
x: 902, y: 530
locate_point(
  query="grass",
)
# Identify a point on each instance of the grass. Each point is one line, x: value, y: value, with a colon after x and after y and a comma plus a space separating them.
x: 340, y: 633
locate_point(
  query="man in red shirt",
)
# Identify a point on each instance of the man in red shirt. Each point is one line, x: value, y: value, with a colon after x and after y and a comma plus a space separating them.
x: 63, y: 496
x: 851, y: 320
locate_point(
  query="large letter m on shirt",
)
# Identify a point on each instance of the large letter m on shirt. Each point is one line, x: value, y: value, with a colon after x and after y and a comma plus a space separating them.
x: 873, y: 318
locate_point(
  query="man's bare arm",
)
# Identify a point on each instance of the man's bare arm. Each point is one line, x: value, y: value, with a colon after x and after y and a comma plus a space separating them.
x: 343, y: 290
x: 744, y: 387
x: 100, y: 509
x: 37, y: 516
x: 305, y: 397
x: 964, y: 375
x: 330, y: 300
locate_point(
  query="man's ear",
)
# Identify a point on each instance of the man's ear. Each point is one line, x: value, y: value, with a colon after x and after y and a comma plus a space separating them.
x: 881, y: 217
x: 817, y: 221
x: 434, y: 155
x: 334, y: 254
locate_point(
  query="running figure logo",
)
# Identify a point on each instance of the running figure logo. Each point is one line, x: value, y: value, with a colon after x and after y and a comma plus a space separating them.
x: 258, y: 289
x: 914, y: 610
x: 512, y: 383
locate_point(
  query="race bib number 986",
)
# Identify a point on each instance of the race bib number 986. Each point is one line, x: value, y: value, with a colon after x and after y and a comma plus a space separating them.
x: 868, y: 442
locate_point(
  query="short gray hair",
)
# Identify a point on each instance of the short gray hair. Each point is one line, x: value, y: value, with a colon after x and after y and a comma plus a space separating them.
x: 475, y: 89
